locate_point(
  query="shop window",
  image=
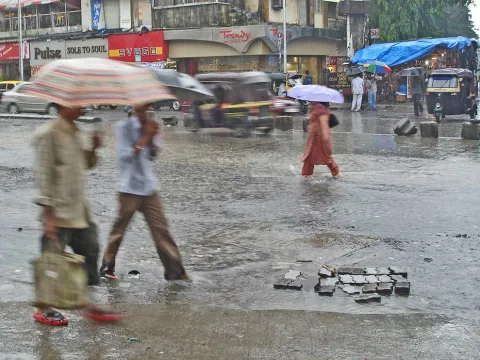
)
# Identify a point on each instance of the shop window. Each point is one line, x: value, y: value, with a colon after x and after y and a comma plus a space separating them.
x: 277, y: 4
x: 332, y: 10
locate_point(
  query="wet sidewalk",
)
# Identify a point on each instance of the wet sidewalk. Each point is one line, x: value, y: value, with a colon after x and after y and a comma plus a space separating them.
x: 204, y: 333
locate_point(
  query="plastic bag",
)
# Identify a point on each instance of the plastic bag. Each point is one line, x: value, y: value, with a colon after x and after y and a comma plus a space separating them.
x: 61, y: 281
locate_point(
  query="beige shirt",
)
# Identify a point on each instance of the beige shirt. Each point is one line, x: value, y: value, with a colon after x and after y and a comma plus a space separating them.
x: 61, y: 162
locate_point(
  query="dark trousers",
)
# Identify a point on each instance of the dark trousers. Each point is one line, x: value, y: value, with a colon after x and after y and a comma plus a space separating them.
x: 83, y: 242
x: 417, y: 103
x: 152, y: 209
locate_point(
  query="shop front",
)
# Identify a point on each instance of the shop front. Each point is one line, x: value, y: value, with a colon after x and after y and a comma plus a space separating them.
x: 144, y: 49
x: 250, y: 48
x: 43, y: 52
x: 233, y: 49
x: 10, y: 61
x: 308, y: 50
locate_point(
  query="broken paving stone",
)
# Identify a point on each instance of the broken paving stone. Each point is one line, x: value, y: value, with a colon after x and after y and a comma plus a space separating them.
x: 369, y: 288
x: 368, y: 298
x: 402, y: 288
x: 330, y: 268
x: 371, y: 279
x: 385, y: 289
x: 281, y: 283
x: 359, y: 279
x: 310, y: 282
x: 385, y: 278
x: 326, y: 290
x: 357, y: 271
x: 383, y: 271
x: 351, y: 290
x: 370, y: 271
x: 346, y: 279
x: 324, y: 272
x: 296, y: 284
x: 344, y: 270
x: 398, y: 278
x: 394, y: 270
x: 328, y: 281
x: 292, y: 274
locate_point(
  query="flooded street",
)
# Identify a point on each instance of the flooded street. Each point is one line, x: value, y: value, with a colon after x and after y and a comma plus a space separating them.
x: 242, y: 216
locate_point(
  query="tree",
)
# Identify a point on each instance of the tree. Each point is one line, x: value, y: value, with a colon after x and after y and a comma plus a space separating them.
x: 412, y: 19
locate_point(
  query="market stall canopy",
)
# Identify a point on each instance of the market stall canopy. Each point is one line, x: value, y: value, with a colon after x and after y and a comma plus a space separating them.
x: 398, y: 53
x: 14, y: 4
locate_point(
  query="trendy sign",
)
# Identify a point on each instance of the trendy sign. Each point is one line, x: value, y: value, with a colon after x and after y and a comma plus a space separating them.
x: 145, y: 47
x: 11, y: 51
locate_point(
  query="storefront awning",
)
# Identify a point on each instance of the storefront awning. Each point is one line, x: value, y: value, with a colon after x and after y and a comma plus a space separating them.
x: 13, y: 4
x: 394, y: 54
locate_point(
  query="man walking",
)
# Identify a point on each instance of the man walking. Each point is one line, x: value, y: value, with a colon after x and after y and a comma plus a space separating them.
x: 308, y: 80
x: 417, y: 93
x: 357, y: 91
x: 136, y: 148
x: 61, y: 161
x: 372, y: 92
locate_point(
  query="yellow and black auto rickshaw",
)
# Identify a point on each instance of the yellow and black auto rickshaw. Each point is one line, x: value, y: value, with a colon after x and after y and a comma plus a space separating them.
x: 242, y: 103
x: 451, y: 92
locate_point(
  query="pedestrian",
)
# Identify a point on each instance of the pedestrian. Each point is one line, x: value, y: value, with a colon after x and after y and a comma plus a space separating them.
x: 357, y: 91
x: 372, y: 91
x: 319, y: 146
x: 137, y: 146
x: 418, y: 87
x: 308, y: 80
x: 61, y: 161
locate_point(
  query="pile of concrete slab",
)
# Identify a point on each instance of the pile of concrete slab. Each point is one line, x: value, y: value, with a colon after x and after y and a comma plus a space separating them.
x: 368, y: 284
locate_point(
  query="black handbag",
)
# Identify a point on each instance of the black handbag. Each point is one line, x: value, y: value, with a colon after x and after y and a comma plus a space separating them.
x: 333, y: 121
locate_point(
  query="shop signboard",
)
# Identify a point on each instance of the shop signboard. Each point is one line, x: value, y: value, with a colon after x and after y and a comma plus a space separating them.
x: 11, y: 51
x: 145, y: 47
x: 96, y: 6
x: 44, y: 52
x: 238, y: 37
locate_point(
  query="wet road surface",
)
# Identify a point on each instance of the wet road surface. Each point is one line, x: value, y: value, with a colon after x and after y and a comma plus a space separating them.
x: 242, y: 215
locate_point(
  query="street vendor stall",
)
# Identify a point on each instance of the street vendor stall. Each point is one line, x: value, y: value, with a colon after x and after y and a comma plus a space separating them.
x: 430, y: 54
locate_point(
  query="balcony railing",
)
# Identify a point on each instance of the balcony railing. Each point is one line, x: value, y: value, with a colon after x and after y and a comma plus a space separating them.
x: 43, y: 21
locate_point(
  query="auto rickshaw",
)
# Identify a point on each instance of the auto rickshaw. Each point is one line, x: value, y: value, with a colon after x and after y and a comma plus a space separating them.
x: 451, y: 92
x: 242, y: 103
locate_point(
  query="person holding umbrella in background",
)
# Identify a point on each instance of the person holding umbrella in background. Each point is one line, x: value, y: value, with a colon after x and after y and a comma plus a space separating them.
x: 319, y: 146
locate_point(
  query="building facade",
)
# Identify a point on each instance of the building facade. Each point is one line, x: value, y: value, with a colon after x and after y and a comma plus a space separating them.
x: 243, y: 35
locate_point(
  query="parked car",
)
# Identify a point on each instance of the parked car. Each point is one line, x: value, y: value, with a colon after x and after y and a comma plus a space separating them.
x: 172, y: 104
x: 14, y: 102
x: 7, y: 86
x: 98, y: 107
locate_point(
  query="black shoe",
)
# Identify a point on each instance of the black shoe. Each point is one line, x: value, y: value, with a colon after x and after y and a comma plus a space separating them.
x: 107, y: 274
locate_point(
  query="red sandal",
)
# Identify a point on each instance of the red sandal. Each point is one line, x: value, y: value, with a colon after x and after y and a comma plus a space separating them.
x: 99, y: 315
x: 51, y: 318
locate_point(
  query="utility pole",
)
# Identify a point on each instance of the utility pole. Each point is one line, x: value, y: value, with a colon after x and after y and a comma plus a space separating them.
x: 285, y: 36
x: 20, y: 40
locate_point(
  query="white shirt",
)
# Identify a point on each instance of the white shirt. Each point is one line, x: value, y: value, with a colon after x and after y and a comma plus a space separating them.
x: 357, y: 86
x: 135, y: 175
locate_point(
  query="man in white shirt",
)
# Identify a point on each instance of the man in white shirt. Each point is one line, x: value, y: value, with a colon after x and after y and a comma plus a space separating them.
x: 357, y: 90
x: 137, y: 146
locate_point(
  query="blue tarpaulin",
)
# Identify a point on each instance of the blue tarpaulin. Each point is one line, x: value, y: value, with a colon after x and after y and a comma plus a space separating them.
x: 398, y: 53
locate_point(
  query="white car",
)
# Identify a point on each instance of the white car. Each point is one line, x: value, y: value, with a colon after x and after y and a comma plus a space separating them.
x: 15, y: 102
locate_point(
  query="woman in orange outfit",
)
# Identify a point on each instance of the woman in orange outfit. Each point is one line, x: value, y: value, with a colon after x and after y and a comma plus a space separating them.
x: 318, y: 149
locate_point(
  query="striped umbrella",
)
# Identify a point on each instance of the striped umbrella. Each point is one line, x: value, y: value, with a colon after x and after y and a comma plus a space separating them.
x: 81, y: 82
x: 377, y: 67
